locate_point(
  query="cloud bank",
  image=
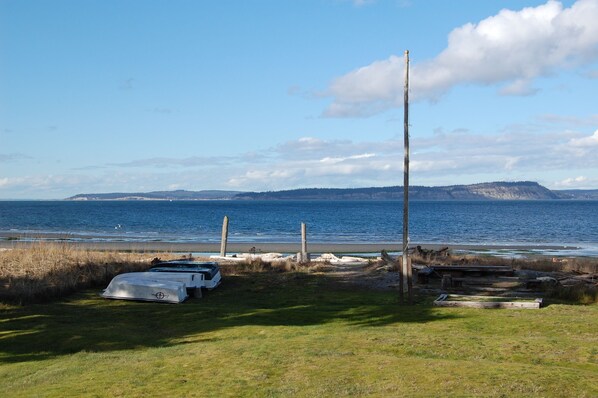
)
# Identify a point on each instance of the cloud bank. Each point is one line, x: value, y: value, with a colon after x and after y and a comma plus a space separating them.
x: 435, y: 160
x: 439, y: 159
x: 511, y: 48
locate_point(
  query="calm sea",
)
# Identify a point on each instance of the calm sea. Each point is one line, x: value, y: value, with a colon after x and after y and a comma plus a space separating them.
x: 573, y: 223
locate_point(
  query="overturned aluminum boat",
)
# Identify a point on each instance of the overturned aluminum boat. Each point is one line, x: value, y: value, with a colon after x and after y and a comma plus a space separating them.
x: 168, y: 281
x: 133, y: 286
x: 208, y: 269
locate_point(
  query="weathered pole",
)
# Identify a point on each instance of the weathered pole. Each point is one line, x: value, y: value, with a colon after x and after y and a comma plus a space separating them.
x: 304, y: 256
x: 224, y: 239
x: 405, y: 264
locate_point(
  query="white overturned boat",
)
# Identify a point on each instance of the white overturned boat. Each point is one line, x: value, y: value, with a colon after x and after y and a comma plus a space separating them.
x: 137, y: 286
x: 208, y: 271
x: 168, y: 281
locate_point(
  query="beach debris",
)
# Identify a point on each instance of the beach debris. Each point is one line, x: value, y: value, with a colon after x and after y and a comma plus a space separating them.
x: 548, y: 280
x: 430, y: 254
x: 386, y: 258
x: 327, y: 257
x: 249, y: 257
x: 266, y: 257
x: 575, y: 280
x: 541, y: 282
x: 344, y: 260
x: 229, y: 257
x: 467, y: 270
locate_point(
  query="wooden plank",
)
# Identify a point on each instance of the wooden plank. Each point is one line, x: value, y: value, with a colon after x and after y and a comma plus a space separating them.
x: 488, y: 304
x: 444, y: 300
x: 473, y: 268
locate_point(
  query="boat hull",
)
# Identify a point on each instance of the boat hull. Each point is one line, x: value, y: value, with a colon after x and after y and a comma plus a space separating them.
x: 209, y: 271
x: 135, y: 287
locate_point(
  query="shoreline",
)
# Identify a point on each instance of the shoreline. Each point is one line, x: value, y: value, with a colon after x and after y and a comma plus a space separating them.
x: 266, y: 247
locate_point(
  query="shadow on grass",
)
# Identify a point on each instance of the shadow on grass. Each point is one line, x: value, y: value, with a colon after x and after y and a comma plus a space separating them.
x: 87, y: 322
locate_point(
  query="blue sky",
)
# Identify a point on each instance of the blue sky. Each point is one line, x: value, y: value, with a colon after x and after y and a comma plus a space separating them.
x: 128, y: 96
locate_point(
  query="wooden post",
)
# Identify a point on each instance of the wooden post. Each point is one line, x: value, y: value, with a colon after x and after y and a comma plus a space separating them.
x: 224, y: 237
x: 401, y: 279
x: 405, y: 264
x: 304, y: 257
x: 409, y: 281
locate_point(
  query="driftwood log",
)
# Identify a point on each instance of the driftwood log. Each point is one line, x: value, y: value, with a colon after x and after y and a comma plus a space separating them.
x: 431, y: 254
x: 387, y: 259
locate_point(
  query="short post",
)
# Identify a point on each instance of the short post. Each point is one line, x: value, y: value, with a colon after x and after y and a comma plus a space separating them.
x: 303, y: 257
x: 224, y: 239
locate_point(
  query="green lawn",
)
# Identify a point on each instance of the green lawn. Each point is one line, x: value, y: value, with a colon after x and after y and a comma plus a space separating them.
x: 294, y: 334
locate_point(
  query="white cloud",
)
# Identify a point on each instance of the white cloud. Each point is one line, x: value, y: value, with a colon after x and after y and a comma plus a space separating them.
x: 432, y: 165
x: 512, y: 47
x: 575, y: 121
x: 579, y: 182
x: 519, y: 87
x: 448, y: 156
x: 48, y: 184
x: 585, y: 142
x: 517, y: 151
x: 571, y: 182
x: 334, y: 160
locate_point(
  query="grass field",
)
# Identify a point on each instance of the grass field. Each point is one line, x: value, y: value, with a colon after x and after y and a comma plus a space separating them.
x: 294, y: 334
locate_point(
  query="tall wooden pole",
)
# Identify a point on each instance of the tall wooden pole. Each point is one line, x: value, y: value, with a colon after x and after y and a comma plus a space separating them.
x: 405, y: 265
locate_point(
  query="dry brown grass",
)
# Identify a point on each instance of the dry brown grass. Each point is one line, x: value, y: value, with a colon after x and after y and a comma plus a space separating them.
x: 259, y: 265
x: 574, y: 265
x: 539, y: 263
x: 47, y: 271
x: 580, y: 293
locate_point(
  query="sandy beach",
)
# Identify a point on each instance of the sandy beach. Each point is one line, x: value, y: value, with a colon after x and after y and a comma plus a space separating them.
x: 278, y: 247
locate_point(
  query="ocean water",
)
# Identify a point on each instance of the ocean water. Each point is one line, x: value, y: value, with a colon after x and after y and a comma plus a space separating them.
x: 559, y: 223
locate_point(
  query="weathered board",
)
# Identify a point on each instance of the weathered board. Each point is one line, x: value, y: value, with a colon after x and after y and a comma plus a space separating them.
x: 444, y: 300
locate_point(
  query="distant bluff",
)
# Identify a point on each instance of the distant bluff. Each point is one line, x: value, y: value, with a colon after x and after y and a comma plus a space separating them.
x: 521, y: 190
